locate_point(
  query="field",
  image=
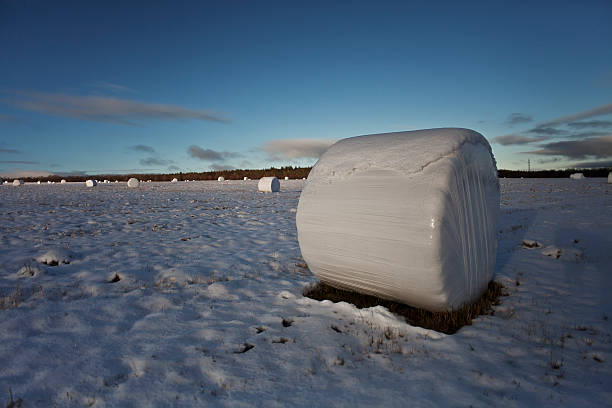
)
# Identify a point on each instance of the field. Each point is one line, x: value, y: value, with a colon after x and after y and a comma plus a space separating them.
x: 186, y: 294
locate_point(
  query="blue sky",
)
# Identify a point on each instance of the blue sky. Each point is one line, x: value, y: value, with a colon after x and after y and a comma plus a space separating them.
x: 121, y: 87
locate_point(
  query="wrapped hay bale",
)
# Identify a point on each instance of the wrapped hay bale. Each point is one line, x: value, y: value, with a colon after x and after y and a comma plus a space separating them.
x: 174, y: 180
x: 245, y: 178
x: 91, y: 183
x: 63, y: 181
x: 286, y: 177
x: 17, y: 182
x: 221, y: 178
x: 610, y: 178
x: 577, y: 176
x: 406, y: 216
x: 133, y: 182
x: 268, y: 184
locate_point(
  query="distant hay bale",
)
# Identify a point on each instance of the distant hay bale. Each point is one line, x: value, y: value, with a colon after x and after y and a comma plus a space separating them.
x: 174, y: 180
x: 245, y: 178
x: 577, y: 176
x: 38, y: 182
x: 286, y: 177
x: 48, y: 181
x: 406, y: 216
x: 17, y: 182
x: 610, y: 178
x: 63, y: 181
x: 91, y: 183
x: 221, y: 178
x: 133, y: 182
x: 268, y: 185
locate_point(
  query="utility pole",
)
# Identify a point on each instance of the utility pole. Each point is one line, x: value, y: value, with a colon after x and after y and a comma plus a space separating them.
x: 528, y: 165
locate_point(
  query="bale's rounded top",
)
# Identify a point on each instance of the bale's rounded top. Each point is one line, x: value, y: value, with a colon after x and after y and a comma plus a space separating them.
x: 389, y: 151
x: 133, y: 182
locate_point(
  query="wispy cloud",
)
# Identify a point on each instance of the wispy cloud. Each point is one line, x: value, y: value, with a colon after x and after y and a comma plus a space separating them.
x: 105, y: 109
x: 597, y: 147
x: 594, y: 164
x: 518, y: 118
x: 18, y: 162
x: 518, y: 139
x: 604, y: 124
x: 547, y: 130
x: 296, y: 148
x: 155, y: 161
x: 173, y: 168
x: 210, y: 155
x: 13, y: 151
x: 220, y: 166
x: 599, y: 111
x: 109, y: 86
x: 142, y: 148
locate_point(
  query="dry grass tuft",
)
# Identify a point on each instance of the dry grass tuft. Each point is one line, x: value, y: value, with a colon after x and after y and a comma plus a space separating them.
x: 445, y: 322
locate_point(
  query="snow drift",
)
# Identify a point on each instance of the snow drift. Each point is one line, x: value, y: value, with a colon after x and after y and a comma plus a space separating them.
x: 268, y: 184
x: 407, y: 216
x: 133, y: 182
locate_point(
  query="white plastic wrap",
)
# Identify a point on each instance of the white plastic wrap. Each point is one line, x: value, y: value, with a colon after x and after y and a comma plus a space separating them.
x: 91, y: 183
x: 133, y: 182
x: 221, y: 178
x: 17, y: 182
x: 63, y: 181
x: 577, y: 176
x: 268, y: 184
x: 407, y: 216
x: 174, y: 180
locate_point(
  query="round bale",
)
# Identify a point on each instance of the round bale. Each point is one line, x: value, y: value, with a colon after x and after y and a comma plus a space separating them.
x: 91, y: 183
x: 133, y: 182
x: 268, y: 185
x: 406, y: 216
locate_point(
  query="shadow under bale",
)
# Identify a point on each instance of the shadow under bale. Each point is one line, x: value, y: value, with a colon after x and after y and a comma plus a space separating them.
x: 444, y: 322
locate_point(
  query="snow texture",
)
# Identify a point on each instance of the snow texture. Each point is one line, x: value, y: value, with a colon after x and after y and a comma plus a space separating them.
x: 268, y: 185
x: 577, y: 176
x: 133, y: 182
x: 190, y: 294
x: 407, y: 216
x: 91, y: 183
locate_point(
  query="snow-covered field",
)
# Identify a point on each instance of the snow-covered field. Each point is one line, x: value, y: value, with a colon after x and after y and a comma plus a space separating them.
x: 186, y: 294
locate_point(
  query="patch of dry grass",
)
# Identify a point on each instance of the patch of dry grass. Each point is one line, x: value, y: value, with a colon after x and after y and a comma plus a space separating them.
x: 445, y: 322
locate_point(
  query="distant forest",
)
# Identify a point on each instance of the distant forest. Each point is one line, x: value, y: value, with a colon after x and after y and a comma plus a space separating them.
x: 298, y: 173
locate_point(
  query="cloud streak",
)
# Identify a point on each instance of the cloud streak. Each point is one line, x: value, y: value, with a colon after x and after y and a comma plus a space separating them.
x: 599, y: 111
x: 155, y: 161
x: 210, y: 155
x: 284, y: 149
x: 518, y: 118
x: 514, y: 139
x: 603, y: 124
x: 142, y: 148
x: 12, y: 151
x: 106, y: 109
x: 18, y: 162
x: 597, y: 147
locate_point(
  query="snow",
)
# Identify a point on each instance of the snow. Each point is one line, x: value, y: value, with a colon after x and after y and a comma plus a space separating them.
x: 190, y: 294
x: 133, y: 182
x: 268, y: 185
x: 419, y: 229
